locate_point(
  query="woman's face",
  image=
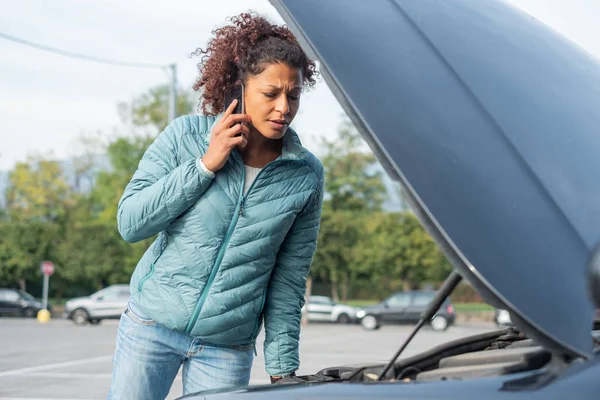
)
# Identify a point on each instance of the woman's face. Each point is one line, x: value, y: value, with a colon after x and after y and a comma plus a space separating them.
x: 272, y: 99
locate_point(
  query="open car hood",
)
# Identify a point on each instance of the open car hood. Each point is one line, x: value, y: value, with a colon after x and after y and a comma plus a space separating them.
x: 491, y: 123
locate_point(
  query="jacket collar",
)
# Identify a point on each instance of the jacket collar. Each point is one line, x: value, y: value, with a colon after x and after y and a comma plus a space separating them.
x: 292, y: 146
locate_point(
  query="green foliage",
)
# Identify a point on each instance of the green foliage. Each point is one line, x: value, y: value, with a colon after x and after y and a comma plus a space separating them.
x: 151, y: 108
x: 92, y: 253
x: 38, y: 191
x: 351, y: 181
x: 23, y: 246
x: 124, y: 155
x: 358, y: 241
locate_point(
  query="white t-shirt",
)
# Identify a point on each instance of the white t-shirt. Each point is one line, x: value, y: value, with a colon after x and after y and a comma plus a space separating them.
x: 251, y: 173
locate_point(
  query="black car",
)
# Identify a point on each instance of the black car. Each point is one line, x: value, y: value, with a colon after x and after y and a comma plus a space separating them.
x: 489, y: 121
x: 17, y: 303
x: 406, y: 307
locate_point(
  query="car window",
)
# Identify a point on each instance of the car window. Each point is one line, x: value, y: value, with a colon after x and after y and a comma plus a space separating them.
x: 109, y: 293
x: 321, y: 300
x: 11, y: 296
x: 27, y: 296
x: 116, y: 293
x: 422, y: 299
x: 2, y: 292
x: 399, y: 300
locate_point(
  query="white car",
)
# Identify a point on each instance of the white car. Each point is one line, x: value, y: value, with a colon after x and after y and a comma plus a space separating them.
x: 108, y: 303
x: 502, y: 318
x: 324, y: 309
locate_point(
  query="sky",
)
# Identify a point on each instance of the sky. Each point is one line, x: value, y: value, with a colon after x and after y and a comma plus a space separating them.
x: 48, y: 101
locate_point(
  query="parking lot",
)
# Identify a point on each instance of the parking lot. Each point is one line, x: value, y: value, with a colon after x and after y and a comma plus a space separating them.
x: 58, y: 360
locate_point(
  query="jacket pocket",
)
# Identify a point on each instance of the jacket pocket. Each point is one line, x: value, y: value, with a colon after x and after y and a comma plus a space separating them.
x: 139, y: 320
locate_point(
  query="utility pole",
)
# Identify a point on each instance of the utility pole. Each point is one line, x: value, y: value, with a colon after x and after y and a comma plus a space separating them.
x: 173, y: 93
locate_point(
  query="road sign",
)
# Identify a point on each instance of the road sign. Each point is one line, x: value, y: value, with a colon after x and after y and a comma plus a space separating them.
x: 47, y: 268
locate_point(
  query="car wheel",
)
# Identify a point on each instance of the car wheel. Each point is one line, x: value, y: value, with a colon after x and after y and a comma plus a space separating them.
x: 80, y: 316
x: 343, y: 319
x: 95, y: 321
x: 29, y: 313
x: 439, y: 323
x: 370, y: 322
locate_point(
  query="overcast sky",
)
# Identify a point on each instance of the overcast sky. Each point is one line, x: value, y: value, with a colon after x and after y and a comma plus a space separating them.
x: 47, y: 100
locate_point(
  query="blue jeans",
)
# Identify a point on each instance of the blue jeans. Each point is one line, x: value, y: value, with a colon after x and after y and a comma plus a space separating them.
x: 148, y: 357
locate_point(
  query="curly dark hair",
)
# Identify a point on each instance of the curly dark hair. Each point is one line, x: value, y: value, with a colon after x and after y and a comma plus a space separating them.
x: 244, y: 49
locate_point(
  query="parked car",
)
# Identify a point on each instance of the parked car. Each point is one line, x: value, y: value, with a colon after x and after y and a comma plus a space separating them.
x: 406, y: 308
x: 502, y: 318
x: 108, y: 303
x: 324, y: 309
x: 489, y: 121
x: 17, y: 303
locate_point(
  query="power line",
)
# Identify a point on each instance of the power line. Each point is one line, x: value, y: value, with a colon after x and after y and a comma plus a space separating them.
x: 80, y: 56
x: 171, y: 67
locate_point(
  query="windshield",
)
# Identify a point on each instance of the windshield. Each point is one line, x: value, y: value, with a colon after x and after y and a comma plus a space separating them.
x: 27, y: 296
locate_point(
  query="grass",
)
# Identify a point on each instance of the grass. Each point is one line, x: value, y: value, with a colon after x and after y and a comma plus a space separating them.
x: 472, y: 307
x: 459, y: 307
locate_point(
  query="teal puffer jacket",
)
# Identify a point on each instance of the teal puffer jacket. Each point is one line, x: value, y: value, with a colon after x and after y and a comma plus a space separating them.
x: 222, y: 260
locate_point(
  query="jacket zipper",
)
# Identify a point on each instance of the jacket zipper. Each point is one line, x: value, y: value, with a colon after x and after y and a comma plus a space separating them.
x: 257, y: 323
x: 213, y: 273
x: 220, y: 255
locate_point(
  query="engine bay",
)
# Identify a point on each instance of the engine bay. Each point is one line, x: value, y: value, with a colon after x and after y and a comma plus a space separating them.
x: 494, y: 353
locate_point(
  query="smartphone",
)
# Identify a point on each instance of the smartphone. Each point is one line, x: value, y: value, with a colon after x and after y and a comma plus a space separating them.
x: 236, y: 93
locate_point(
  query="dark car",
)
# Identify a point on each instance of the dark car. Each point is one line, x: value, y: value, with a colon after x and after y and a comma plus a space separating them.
x: 406, y: 307
x: 489, y: 121
x: 17, y: 303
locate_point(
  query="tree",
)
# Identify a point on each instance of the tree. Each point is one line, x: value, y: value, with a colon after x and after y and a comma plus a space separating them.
x: 395, y: 247
x: 354, y: 188
x: 333, y: 261
x: 38, y: 191
x: 93, y: 255
x: 23, y: 245
x: 352, y: 181
x: 151, y: 109
x: 358, y: 240
x: 124, y: 155
x: 424, y: 261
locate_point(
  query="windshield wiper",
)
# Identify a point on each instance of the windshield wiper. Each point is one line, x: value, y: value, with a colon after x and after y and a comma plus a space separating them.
x: 449, y: 284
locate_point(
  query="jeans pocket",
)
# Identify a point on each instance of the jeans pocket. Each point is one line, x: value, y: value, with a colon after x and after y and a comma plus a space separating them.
x: 138, y: 320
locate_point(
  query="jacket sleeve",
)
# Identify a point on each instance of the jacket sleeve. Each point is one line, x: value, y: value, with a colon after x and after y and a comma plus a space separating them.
x: 285, y: 298
x: 161, y: 189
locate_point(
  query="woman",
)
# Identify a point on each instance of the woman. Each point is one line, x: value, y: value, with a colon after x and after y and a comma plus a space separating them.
x: 236, y: 202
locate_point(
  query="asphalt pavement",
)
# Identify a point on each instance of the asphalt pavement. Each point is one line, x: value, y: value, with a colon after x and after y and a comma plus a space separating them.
x: 58, y: 360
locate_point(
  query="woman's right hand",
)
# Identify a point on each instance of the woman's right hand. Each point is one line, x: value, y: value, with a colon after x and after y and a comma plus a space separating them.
x: 223, y: 138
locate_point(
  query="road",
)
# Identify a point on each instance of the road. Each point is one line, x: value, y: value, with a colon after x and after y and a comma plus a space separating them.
x: 58, y: 360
